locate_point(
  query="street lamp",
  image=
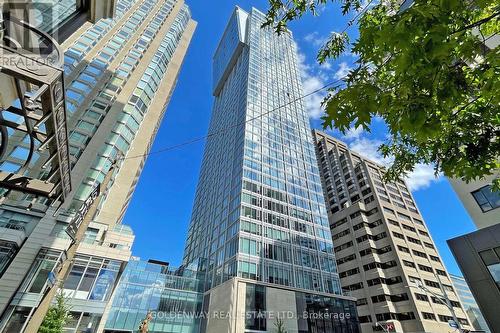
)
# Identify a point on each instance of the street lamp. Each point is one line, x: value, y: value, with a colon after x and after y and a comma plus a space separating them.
x: 443, y: 299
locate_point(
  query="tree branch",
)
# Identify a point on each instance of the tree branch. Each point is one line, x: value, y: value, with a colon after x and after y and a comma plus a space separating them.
x: 477, y: 23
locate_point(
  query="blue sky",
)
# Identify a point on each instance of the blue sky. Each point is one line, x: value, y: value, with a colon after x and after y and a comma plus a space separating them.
x: 161, y: 207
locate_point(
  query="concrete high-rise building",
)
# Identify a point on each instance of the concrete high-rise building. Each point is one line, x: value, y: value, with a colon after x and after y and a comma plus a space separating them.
x: 385, y: 255
x: 119, y: 74
x: 470, y: 306
x: 259, y: 215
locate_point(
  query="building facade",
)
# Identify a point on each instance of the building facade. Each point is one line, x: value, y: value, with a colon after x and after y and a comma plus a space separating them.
x: 478, y: 252
x: 382, y: 245
x: 259, y: 215
x: 172, y: 295
x: 481, y: 202
x: 478, y: 256
x: 469, y: 303
x: 119, y: 74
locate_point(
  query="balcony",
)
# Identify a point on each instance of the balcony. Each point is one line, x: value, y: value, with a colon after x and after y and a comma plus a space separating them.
x: 12, y: 232
x: 34, y: 155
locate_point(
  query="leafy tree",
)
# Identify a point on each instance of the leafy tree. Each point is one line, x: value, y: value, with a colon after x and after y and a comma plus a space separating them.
x: 424, y: 69
x: 280, y: 326
x: 57, y: 316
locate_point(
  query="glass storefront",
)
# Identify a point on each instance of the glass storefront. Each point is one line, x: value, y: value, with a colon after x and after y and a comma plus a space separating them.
x: 91, y: 278
x: 326, y: 314
x: 172, y: 295
x: 35, y: 282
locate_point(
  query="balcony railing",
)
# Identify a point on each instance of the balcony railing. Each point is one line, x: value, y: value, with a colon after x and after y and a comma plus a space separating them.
x: 12, y: 226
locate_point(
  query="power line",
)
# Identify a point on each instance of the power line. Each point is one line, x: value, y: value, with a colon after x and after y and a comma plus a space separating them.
x: 201, y: 138
x: 221, y: 131
x: 351, y: 21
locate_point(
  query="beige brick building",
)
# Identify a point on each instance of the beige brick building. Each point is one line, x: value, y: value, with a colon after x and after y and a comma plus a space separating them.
x: 382, y: 246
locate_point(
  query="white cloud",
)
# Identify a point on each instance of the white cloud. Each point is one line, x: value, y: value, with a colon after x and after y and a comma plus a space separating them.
x: 343, y: 70
x: 315, y: 39
x: 369, y: 148
x: 420, y: 178
x: 313, y: 102
x: 353, y: 133
x: 311, y: 83
x: 326, y: 66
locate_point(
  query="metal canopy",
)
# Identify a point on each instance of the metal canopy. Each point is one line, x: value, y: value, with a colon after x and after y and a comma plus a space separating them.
x: 31, y: 69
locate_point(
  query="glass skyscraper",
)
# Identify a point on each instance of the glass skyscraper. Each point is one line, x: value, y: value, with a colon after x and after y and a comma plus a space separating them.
x: 469, y: 303
x: 259, y: 214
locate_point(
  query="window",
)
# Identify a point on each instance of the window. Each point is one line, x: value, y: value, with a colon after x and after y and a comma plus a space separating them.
x: 425, y: 268
x: 393, y: 222
x: 355, y: 286
x: 7, y: 252
x: 387, y: 281
x: 414, y: 279
x: 428, y: 316
x: 486, y: 198
x: 349, y: 272
x: 414, y: 240
x: 419, y: 254
x: 346, y: 259
x: 434, y: 258
x: 432, y: 284
x: 91, y: 278
x: 255, y: 306
x: 421, y: 297
x: 441, y: 272
x: 248, y: 270
x: 492, y: 262
x: 390, y: 211
x: 423, y: 232
x: 384, y: 265
x: 429, y: 245
x: 249, y: 246
x: 403, y: 249
x: 397, y: 316
x: 407, y: 227
x: 408, y: 263
x: 46, y: 261
x: 417, y: 221
x: 398, y: 235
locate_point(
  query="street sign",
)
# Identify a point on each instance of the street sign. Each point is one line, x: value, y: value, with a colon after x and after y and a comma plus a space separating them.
x: 51, y: 279
x: 452, y: 324
x: 73, y: 227
x: 387, y: 327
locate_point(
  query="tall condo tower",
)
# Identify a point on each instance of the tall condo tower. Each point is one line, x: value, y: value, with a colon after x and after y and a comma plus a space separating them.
x: 259, y: 217
x: 119, y: 74
x: 385, y: 255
